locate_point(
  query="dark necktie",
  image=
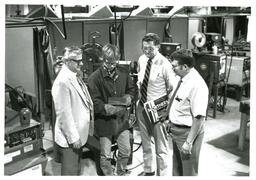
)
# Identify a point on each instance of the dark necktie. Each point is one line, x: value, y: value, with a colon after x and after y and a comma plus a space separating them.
x: 173, y: 95
x: 144, y: 85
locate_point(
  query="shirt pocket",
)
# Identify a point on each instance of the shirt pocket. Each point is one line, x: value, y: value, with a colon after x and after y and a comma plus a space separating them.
x: 156, y: 74
x: 181, y: 104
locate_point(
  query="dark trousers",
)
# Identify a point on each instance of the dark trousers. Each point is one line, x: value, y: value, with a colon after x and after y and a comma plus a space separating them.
x: 69, y: 159
x: 183, y: 164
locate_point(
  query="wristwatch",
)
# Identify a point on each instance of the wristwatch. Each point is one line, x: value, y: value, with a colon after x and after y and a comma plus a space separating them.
x: 189, y: 143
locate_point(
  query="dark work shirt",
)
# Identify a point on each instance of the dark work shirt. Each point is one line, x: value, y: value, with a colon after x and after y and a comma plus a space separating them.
x: 102, y: 86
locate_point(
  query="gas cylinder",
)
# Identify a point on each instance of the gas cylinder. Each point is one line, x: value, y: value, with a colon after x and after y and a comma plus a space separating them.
x: 25, y: 116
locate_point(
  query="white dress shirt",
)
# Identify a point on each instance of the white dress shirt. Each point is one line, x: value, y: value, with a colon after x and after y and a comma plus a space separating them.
x: 161, y: 79
x: 190, y: 100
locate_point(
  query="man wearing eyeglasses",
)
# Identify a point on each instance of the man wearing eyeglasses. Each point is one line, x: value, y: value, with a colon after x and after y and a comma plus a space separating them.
x: 111, y: 121
x: 155, y: 79
x: 187, y: 114
x: 74, y: 112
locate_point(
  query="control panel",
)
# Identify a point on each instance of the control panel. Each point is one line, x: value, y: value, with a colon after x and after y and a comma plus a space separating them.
x: 16, y: 134
x: 23, y: 135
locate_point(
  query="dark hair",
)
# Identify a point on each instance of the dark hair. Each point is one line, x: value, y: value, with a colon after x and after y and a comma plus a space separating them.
x: 152, y: 37
x: 183, y: 56
x: 110, y: 52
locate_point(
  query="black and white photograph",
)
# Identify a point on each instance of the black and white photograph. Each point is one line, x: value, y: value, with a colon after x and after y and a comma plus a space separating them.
x: 128, y: 88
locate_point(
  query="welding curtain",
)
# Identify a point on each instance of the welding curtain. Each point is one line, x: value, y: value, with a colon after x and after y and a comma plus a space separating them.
x: 43, y: 62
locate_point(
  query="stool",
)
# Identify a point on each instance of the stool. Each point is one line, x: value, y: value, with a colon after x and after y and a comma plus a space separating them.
x: 244, y: 108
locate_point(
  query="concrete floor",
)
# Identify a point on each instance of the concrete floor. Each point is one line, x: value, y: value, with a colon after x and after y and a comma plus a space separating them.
x: 219, y: 155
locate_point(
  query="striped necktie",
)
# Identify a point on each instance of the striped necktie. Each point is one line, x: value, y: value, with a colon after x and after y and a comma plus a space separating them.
x: 144, y: 85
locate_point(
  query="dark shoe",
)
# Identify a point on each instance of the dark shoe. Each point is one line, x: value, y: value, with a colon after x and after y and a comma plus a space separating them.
x: 147, y: 174
x: 126, y: 172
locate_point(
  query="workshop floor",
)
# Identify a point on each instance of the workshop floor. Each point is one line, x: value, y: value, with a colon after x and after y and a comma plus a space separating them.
x: 219, y: 155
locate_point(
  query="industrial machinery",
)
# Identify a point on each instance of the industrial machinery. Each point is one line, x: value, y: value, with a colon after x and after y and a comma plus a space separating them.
x: 212, y: 40
x: 212, y: 68
x: 91, y: 55
x: 21, y: 140
x: 206, y: 42
x: 167, y: 48
x: 22, y: 144
x: 198, y: 40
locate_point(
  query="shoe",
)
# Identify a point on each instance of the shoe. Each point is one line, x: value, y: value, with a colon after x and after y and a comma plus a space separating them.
x: 147, y: 173
x: 125, y: 173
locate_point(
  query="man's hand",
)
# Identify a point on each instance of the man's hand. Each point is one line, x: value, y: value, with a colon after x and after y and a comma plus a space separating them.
x: 167, y: 124
x: 186, y: 148
x: 164, y: 116
x: 128, y: 99
x: 120, y: 111
x: 110, y: 109
x: 77, y: 144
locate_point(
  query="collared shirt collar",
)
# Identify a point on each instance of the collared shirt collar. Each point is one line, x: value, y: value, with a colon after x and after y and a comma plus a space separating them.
x: 155, y: 58
x: 104, y: 71
x: 68, y: 71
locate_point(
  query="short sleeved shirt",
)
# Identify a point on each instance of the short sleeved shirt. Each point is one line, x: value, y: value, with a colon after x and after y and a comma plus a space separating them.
x: 190, y: 100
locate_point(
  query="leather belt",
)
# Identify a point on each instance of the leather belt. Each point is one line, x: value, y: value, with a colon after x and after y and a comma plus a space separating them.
x: 180, y: 126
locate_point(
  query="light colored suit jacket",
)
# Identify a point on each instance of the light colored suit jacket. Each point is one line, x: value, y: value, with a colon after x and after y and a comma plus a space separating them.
x: 73, y: 111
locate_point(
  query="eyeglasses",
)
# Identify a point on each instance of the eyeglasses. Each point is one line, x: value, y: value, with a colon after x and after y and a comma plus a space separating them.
x: 76, y: 61
x: 150, y: 49
x: 111, y: 62
x: 176, y: 65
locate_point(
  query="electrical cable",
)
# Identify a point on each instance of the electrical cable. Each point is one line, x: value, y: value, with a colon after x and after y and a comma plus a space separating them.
x: 115, y: 43
x: 45, y: 19
x: 137, y: 147
x: 122, y: 19
x: 182, y: 9
x: 23, y: 100
x: 168, y: 24
x: 63, y: 21
x: 230, y: 63
x: 135, y: 166
x: 130, y: 13
x: 114, y: 156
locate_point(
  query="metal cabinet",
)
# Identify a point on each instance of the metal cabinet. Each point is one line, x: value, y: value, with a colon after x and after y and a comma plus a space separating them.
x: 134, y: 30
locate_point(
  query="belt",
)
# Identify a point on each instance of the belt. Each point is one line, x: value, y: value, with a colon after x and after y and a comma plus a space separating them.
x: 180, y: 126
